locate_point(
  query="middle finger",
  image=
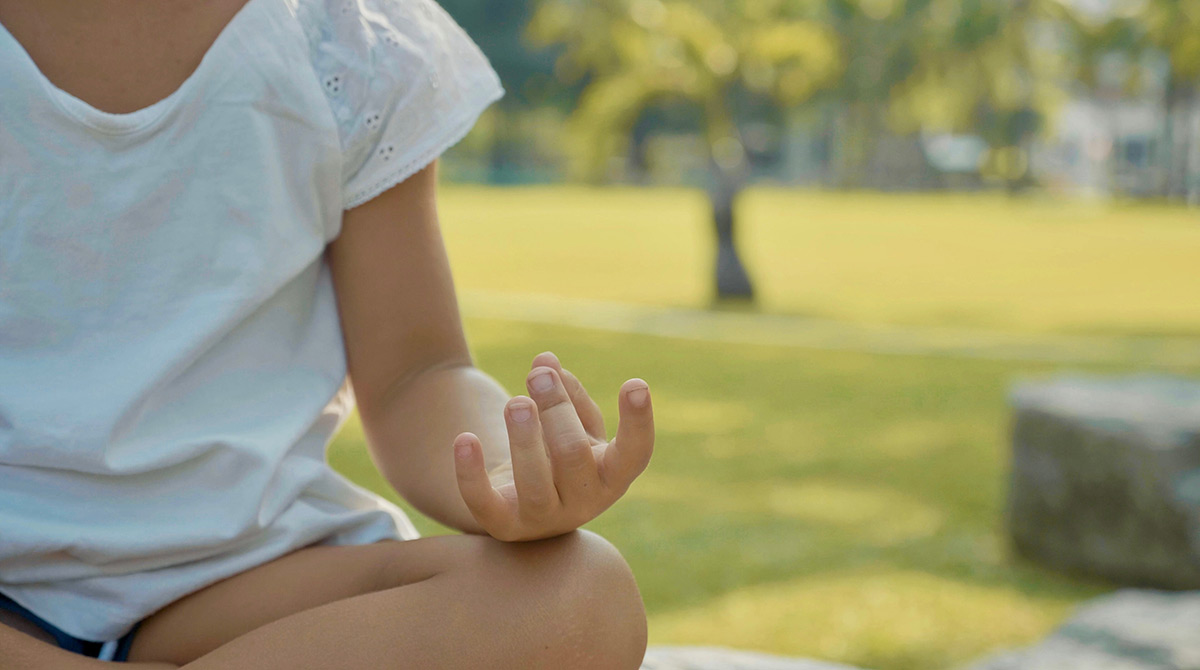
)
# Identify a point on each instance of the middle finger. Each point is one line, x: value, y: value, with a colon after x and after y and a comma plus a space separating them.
x: 571, y: 457
x: 589, y: 412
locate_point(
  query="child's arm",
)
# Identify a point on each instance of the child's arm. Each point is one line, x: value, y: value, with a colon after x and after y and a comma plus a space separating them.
x: 419, y: 394
x: 407, y: 355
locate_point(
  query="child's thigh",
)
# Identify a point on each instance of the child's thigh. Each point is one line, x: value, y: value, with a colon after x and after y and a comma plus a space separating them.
x: 466, y: 602
x: 21, y: 624
x: 23, y: 651
x: 202, y: 621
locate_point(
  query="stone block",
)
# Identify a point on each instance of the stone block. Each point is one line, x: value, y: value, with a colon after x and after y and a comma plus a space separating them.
x: 715, y: 658
x: 1105, y: 478
x: 1128, y: 630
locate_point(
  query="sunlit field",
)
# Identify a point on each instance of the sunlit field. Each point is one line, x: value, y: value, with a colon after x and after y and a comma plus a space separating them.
x: 962, y: 260
x: 833, y: 504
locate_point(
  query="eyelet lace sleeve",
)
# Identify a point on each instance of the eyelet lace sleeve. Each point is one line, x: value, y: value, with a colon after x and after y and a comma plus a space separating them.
x: 404, y: 81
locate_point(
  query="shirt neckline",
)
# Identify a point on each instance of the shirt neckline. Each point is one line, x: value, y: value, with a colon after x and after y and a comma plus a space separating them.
x: 127, y: 122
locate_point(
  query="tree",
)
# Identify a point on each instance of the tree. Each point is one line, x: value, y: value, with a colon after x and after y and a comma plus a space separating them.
x: 727, y: 62
x: 881, y: 42
x: 1159, y: 42
x: 992, y: 67
x: 1173, y: 28
x: 497, y: 26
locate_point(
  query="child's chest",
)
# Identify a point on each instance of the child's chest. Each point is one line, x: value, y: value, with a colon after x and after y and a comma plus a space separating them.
x: 214, y: 200
x: 119, y: 56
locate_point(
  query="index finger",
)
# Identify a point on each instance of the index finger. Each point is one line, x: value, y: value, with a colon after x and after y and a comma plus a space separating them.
x: 489, y: 508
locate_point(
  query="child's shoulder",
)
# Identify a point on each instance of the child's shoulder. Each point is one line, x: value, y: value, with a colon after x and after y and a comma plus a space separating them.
x: 403, y: 80
x: 382, y: 43
x: 363, y: 25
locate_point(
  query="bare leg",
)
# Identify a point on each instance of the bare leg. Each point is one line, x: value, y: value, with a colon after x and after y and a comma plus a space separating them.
x: 457, y: 602
x: 24, y: 651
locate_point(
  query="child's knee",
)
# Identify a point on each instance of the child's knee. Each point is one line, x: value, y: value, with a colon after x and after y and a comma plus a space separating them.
x: 584, y: 589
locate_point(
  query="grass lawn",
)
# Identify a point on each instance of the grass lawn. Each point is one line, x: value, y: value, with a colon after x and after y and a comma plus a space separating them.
x: 948, y: 260
x: 839, y: 505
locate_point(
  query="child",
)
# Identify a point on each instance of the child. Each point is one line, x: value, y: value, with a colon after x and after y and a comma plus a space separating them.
x: 212, y: 216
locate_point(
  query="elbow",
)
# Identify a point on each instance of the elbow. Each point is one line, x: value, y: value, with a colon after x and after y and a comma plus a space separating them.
x: 372, y: 401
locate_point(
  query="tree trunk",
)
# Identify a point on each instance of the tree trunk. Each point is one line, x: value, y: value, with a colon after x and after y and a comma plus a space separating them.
x: 732, y: 282
x: 637, y: 162
x: 1193, y: 150
x: 1169, y: 139
x: 500, y: 160
x: 1181, y: 128
x: 858, y: 132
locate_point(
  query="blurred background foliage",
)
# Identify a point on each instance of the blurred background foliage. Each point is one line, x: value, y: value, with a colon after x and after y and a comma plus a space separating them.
x: 892, y: 94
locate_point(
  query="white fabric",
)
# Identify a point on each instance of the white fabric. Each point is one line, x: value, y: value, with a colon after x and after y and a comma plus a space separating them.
x: 108, y: 650
x: 171, y: 361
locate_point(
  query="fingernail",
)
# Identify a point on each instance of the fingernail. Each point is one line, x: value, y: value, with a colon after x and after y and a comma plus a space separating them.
x: 542, y: 382
x: 639, y: 397
x: 463, y: 450
x: 519, y: 413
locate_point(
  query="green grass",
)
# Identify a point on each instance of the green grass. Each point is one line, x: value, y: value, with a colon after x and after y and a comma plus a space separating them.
x: 838, y: 505
x: 951, y: 260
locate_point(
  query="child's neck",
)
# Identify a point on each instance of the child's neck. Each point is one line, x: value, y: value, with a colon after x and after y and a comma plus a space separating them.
x: 118, y: 56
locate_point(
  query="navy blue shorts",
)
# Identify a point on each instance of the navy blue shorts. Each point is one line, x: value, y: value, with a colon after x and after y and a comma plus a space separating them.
x: 117, y: 650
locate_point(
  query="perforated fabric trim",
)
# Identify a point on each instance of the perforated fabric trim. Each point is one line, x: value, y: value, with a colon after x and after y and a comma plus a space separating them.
x: 455, y: 130
x: 403, y: 80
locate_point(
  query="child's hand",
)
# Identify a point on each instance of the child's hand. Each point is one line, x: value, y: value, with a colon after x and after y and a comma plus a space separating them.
x: 563, y: 472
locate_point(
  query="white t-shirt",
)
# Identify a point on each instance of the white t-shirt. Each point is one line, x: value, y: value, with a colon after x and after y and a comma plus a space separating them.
x: 171, y: 360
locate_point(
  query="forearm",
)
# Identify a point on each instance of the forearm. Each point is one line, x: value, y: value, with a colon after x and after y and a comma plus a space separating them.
x: 411, y: 435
